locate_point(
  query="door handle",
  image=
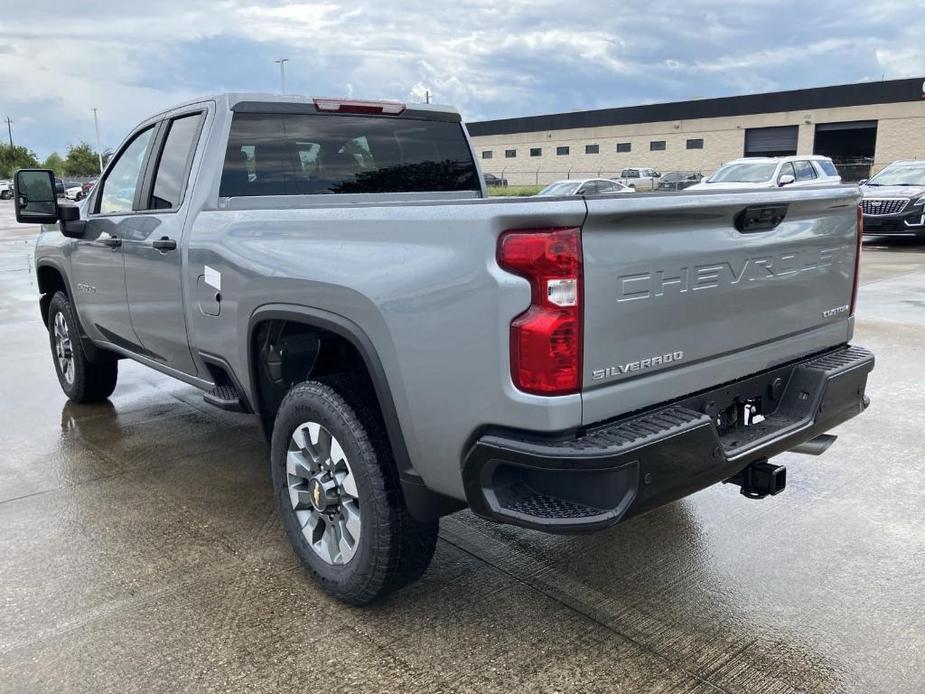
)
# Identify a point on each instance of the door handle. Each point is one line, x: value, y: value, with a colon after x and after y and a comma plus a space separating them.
x: 164, y: 244
x: 112, y: 242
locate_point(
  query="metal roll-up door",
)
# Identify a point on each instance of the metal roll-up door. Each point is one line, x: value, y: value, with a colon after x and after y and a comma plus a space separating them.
x: 779, y: 141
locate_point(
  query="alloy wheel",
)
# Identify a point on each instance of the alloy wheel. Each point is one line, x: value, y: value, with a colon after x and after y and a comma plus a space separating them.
x: 63, y: 351
x: 323, y: 493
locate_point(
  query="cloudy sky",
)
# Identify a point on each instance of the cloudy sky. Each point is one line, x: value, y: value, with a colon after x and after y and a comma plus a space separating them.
x: 492, y: 59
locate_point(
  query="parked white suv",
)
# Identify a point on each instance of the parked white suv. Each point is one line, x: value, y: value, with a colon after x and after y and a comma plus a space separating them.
x: 639, y: 178
x: 772, y: 172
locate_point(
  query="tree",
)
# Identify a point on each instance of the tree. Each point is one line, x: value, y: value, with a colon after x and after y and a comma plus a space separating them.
x: 14, y: 158
x: 54, y: 162
x: 81, y: 160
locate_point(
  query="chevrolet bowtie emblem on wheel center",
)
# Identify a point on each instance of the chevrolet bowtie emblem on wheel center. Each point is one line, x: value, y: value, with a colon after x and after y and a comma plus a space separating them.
x: 315, y: 492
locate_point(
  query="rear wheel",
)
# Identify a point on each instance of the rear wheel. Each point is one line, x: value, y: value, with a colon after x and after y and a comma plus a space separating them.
x: 81, y: 380
x: 339, y: 494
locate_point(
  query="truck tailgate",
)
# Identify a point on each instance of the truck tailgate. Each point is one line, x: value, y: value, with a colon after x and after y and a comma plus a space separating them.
x: 678, y: 299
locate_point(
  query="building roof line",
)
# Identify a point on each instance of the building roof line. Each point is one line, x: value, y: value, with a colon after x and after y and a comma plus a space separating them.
x: 857, y: 94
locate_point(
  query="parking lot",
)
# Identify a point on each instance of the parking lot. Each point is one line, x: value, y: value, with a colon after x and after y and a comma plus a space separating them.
x: 141, y: 551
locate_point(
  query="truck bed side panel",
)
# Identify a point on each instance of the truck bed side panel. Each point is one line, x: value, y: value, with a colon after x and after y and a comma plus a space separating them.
x: 420, y: 280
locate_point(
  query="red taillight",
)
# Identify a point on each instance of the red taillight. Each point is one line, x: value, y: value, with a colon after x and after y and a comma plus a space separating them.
x: 388, y: 108
x: 857, y: 261
x: 546, y: 338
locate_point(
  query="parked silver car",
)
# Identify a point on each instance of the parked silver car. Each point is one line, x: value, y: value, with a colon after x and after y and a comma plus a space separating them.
x: 584, y: 186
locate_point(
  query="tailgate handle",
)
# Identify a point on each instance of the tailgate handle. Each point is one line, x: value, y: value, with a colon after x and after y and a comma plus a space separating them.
x: 760, y: 218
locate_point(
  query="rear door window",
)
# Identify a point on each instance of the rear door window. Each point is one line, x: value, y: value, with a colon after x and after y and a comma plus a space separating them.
x: 173, y: 166
x: 305, y: 154
x: 804, y: 171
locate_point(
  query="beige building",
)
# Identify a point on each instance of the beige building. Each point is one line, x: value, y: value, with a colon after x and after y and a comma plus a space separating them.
x: 861, y: 126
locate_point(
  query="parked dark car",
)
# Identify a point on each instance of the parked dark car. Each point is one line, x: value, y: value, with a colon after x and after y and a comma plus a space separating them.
x: 678, y: 180
x: 492, y: 180
x: 894, y: 200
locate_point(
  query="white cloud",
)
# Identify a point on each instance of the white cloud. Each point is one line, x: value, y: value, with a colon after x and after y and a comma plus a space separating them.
x: 488, y: 58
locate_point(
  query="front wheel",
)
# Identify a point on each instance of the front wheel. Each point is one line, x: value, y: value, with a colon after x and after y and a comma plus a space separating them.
x: 339, y: 495
x: 81, y: 380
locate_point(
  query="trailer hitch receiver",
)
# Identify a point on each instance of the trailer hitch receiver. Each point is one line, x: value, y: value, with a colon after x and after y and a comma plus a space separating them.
x: 761, y: 479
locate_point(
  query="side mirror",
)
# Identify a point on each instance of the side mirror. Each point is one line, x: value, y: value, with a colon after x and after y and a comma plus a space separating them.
x: 657, y: 174
x: 863, y: 181
x: 35, y: 196
x: 785, y: 180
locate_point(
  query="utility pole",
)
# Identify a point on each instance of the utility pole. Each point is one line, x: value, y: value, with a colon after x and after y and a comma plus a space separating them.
x: 426, y: 96
x: 9, y: 129
x: 282, y: 74
x: 96, y: 125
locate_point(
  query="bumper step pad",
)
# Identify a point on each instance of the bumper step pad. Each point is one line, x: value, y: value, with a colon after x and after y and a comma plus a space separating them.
x: 225, y: 398
x: 520, y: 498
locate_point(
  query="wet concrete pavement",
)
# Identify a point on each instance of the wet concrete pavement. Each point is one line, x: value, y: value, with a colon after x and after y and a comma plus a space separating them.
x: 140, y: 551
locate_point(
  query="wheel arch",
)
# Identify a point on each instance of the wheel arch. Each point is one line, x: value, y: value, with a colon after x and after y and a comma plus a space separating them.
x: 51, y: 278
x: 421, y: 502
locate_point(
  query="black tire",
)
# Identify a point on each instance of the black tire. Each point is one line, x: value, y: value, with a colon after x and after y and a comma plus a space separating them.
x: 393, y: 549
x: 78, y: 197
x: 90, y: 381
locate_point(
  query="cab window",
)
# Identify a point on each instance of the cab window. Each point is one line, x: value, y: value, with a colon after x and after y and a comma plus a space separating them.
x: 313, y: 154
x: 174, y: 163
x: 118, y: 193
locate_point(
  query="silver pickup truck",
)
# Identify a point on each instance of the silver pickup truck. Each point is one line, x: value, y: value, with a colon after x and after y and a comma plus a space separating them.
x: 413, y: 347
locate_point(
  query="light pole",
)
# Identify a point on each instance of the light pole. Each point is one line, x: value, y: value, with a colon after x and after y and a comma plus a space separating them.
x: 282, y: 74
x: 99, y: 152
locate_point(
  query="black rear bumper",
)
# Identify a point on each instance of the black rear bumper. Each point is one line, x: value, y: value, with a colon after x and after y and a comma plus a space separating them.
x: 598, y: 476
